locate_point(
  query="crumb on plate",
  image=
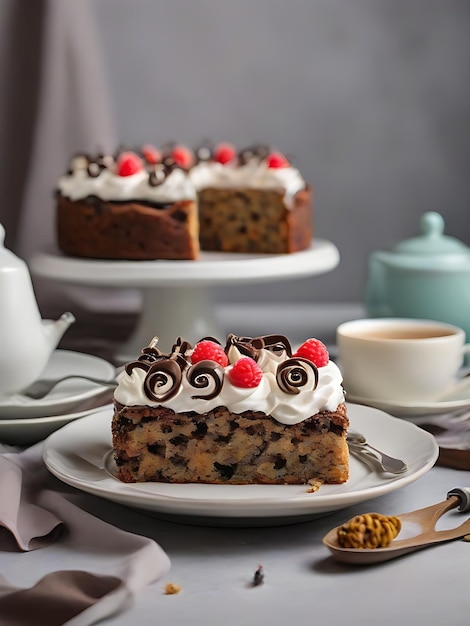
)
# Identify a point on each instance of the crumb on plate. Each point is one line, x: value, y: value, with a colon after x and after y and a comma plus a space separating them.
x: 172, y: 588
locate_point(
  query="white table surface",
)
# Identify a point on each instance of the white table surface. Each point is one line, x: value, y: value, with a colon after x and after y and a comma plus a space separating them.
x: 214, y: 567
x: 303, y: 584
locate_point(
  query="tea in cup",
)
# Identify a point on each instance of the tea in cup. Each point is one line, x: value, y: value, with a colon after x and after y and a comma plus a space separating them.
x: 397, y: 359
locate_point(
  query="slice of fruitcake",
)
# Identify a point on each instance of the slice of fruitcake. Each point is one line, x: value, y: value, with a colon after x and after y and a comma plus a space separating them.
x: 249, y: 412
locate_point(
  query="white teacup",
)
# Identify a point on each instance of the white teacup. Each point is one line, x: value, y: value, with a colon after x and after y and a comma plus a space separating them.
x: 398, y: 359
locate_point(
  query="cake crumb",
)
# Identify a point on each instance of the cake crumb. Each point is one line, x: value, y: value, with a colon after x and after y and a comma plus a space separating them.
x: 466, y: 538
x: 172, y: 588
x: 313, y: 485
x: 258, y: 578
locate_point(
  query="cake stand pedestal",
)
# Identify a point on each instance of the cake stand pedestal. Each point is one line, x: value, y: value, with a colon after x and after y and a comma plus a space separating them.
x: 177, y: 297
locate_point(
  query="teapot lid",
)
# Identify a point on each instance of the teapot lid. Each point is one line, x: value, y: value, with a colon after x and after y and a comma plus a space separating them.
x: 432, y: 241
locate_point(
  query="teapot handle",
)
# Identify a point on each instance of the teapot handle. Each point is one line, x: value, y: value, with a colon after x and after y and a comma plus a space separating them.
x: 376, y: 289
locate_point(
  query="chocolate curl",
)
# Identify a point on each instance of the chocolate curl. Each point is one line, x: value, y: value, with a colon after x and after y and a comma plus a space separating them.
x: 159, y: 375
x: 293, y: 374
x: 252, y: 346
x: 149, y: 355
x: 200, y: 376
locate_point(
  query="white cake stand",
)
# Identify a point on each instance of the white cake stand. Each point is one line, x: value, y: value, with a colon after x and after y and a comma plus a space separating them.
x: 176, y: 295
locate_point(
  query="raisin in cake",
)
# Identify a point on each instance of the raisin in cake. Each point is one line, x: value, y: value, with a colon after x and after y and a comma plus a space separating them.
x: 169, y: 203
x: 247, y: 412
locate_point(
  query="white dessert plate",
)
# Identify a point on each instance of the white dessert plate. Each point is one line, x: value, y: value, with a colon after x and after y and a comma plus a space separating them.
x: 25, y: 432
x: 80, y: 455
x: 416, y: 409
x: 66, y: 395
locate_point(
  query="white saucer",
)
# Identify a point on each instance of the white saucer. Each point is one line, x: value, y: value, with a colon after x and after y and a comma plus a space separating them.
x: 415, y: 409
x: 25, y: 432
x: 67, y: 394
x: 80, y: 455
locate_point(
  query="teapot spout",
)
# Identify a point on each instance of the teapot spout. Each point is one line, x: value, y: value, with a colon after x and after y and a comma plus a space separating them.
x: 54, y: 330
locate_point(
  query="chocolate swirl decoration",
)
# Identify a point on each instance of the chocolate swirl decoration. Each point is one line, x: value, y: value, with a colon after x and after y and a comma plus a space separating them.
x: 252, y: 346
x: 162, y: 369
x: 200, y: 376
x: 93, y: 169
x: 157, y: 175
x: 105, y: 161
x: 257, y: 151
x: 149, y: 355
x: 293, y: 374
x: 274, y: 343
x: 79, y: 161
x: 159, y: 172
x: 161, y: 374
x: 204, y: 152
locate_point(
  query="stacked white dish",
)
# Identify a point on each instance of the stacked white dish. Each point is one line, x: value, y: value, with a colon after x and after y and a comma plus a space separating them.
x: 24, y: 421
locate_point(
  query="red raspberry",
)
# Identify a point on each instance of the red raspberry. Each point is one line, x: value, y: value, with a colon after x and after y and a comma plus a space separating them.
x: 207, y: 350
x: 151, y: 154
x: 182, y: 156
x: 276, y: 160
x: 314, y: 350
x: 245, y: 373
x: 224, y: 153
x: 128, y: 163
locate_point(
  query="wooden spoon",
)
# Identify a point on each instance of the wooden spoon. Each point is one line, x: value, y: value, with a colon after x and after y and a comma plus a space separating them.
x: 425, y: 518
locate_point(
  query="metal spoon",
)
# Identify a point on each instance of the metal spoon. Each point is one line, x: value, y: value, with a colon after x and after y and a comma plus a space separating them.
x: 358, y: 444
x: 425, y: 518
x: 41, y: 388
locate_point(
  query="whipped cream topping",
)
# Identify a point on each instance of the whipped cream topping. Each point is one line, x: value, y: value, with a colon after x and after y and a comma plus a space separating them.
x: 252, y: 175
x: 291, y: 389
x: 110, y: 186
x: 249, y: 170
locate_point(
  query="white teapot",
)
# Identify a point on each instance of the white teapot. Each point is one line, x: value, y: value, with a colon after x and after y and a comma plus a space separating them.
x: 26, y: 340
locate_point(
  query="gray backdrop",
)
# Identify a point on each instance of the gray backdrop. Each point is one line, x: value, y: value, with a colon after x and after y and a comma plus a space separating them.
x: 371, y: 97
